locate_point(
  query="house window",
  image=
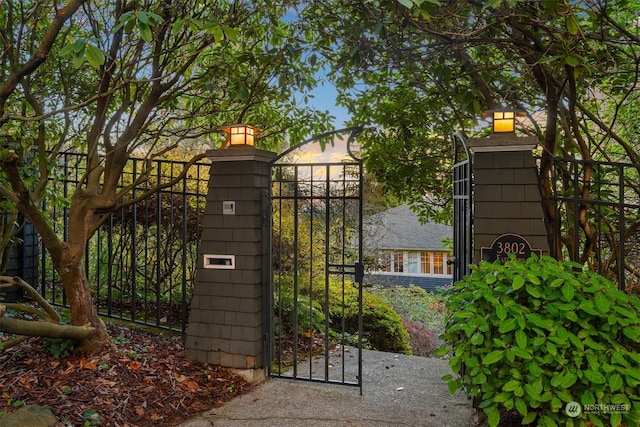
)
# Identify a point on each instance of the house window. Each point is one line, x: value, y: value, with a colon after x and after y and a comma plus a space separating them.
x: 413, y: 262
x: 384, y: 263
x: 425, y: 262
x: 449, y: 266
x: 398, y: 262
x: 438, y: 263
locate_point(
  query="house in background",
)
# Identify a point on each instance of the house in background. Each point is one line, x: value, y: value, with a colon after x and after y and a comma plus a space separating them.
x: 399, y: 250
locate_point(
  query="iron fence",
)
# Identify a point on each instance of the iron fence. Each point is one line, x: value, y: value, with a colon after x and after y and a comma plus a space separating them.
x: 141, y: 262
x: 595, y: 212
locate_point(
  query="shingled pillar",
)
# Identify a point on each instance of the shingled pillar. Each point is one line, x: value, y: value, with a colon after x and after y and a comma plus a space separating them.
x: 230, y: 303
x: 508, y: 214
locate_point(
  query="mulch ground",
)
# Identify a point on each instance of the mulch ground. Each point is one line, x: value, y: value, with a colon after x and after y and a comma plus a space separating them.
x: 146, y: 381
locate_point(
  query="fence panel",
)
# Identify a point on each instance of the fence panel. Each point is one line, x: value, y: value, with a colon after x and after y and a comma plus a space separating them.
x: 141, y: 262
x: 596, y: 213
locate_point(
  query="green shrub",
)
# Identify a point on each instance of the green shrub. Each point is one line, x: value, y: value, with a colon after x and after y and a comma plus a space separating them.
x: 382, y: 326
x: 415, y: 304
x: 310, y: 312
x: 539, y: 334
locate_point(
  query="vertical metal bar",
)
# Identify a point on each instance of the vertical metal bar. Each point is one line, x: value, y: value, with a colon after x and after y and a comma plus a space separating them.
x: 158, y: 246
x: 295, y: 272
x: 576, y: 216
x: 279, y: 272
x: 109, y: 266
x: 360, y: 268
x: 311, y: 229
x: 343, y: 259
x: 327, y: 261
x: 134, y: 242
x: 185, y: 230
x: 621, y: 229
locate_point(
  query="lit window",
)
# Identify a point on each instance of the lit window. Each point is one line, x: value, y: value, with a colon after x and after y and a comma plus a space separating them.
x: 425, y: 262
x: 438, y: 263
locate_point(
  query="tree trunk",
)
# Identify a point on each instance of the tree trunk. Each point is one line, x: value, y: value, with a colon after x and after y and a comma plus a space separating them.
x: 83, y: 310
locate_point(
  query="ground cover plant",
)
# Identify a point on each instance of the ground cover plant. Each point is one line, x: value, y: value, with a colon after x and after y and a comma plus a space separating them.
x: 533, y: 336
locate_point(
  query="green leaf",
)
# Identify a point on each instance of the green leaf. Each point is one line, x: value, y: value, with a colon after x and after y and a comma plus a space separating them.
x: 511, y: 385
x: 535, y: 370
x: 632, y: 332
x: 602, y: 303
x: 406, y: 3
x: 534, y: 291
x: 533, y: 278
x: 492, y: 3
x: 615, y: 419
x: 231, y: 33
x: 145, y: 31
x: 142, y: 17
x: 615, y: 382
x: 493, y: 417
x: 518, y: 282
x: 594, y: 376
x: 477, y: 339
x: 568, y: 292
x: 78, y: 45
x: 453, y: 386
x: 521, y: 338
x: 572, y: 25
x: 528, y: 419
x: 78, y: 59
x: 501, y: 312
x: 522, y: 353
x: 573, y: 60
x: 95, y: 57
x: 521, y: 406
x: 508, y: 325
x: 493, y: 357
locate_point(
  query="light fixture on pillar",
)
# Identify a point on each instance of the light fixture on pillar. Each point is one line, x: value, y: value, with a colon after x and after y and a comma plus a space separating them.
x: 239, y: 135
x: 504, y: 120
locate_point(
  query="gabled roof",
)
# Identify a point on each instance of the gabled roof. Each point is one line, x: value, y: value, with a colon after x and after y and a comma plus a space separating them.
x: 399, y: 228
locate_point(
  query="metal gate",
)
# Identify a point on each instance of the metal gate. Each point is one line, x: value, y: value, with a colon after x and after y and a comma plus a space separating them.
x: 462, y: 208
x: 317, y: 261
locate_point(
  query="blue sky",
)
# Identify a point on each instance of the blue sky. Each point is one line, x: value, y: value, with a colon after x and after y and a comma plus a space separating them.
x: 325, y: 99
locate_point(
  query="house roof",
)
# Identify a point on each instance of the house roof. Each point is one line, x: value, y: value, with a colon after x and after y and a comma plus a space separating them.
x: 400, y: 228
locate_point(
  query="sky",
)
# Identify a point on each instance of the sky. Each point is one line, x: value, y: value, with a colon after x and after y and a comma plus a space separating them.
x: 325, y: 99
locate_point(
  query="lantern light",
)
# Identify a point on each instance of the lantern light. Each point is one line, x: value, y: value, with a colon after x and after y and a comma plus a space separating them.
x: 240, y: 135
x: 504, y: 120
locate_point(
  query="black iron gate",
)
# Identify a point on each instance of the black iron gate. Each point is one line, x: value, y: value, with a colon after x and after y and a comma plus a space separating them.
x: 317, y: 261
x: 462, y: 208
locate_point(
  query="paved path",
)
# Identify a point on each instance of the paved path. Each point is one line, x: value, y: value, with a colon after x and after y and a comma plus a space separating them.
x: 398, y: 390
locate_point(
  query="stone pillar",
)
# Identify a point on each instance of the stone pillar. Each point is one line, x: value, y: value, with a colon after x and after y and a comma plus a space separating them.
x: 230, y: 306
x: 508, y: 213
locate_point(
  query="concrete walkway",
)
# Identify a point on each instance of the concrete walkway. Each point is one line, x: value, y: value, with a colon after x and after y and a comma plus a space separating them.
x: 398, y: 390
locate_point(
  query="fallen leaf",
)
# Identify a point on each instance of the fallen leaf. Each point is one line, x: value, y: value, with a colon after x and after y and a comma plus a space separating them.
x: 86, y: 364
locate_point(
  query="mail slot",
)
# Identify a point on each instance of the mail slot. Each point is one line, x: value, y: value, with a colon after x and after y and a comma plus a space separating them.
x: 220, y: 262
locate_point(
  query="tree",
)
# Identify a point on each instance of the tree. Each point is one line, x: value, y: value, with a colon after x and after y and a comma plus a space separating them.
x: 114, y: 77
x: 417, y: 70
